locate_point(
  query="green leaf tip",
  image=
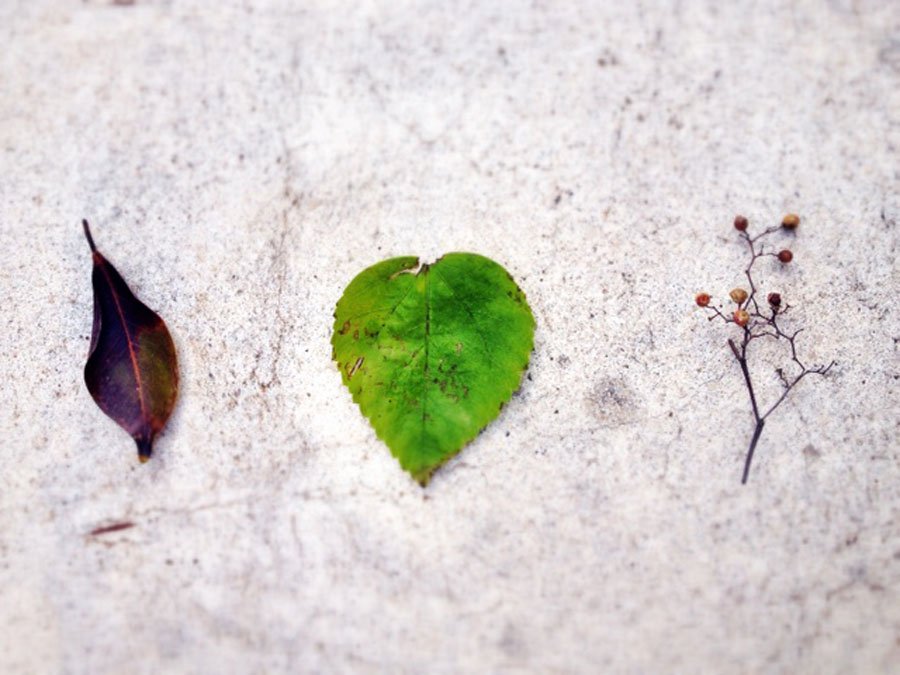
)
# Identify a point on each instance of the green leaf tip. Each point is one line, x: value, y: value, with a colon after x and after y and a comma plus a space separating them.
x: 430, y: 353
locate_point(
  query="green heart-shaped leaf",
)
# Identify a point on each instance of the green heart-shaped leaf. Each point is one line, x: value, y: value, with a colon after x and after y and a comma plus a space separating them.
x: 431, y: 356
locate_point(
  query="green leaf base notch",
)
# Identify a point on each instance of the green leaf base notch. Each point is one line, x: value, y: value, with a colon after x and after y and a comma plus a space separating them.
x: 430, y: 356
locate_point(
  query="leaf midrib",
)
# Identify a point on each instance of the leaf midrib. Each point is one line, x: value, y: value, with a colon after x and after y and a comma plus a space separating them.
x: 128, y: 340
x: 427, y: 341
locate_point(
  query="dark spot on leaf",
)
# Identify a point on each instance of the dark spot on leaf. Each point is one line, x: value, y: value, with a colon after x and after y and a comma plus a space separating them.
x: 354, y: 368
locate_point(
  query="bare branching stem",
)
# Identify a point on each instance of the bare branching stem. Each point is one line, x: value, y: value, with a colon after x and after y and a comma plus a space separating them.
x: 757, y: 323
x: 757, y: 432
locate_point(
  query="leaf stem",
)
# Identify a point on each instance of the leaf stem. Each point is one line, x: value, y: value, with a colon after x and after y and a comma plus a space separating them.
x: 87, y: 233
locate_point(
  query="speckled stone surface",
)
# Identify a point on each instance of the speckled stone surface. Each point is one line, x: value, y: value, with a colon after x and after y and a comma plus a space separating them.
x: 241, y: 161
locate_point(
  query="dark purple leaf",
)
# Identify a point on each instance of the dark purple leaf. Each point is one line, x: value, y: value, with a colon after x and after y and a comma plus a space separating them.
x: 131, y: 371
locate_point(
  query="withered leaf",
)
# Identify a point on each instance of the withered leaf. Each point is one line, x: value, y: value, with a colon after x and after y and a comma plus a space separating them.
x: 131, y: 371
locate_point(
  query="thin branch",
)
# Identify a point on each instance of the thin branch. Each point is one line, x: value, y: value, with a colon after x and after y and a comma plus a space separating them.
x: 756, y: 324
x: 742, y: 359
x: 716, y: 313
x: 757, y: 432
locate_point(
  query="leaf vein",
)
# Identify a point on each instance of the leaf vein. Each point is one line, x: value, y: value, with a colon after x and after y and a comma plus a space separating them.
x: 381, y: 309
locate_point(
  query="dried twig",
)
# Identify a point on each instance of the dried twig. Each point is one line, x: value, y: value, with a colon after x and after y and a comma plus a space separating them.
x: 757, y: 322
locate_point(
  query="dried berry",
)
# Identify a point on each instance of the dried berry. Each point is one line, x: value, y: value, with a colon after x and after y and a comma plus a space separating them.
x: 790, y: 221
x: 740, y: 223
x: 738, y: 295
x: 702, y: 299
x: 741, y: 317
x: 774, y: 300
x: 785, y: 256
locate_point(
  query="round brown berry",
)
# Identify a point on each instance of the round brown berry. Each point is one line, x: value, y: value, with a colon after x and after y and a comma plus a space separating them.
x: 740, y: 223
x: 785, y: 256
x: 738, y: 295
x: 702, y: 299
x: 774, y: 300
x: 790, y: 221
x: 741, y: 317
